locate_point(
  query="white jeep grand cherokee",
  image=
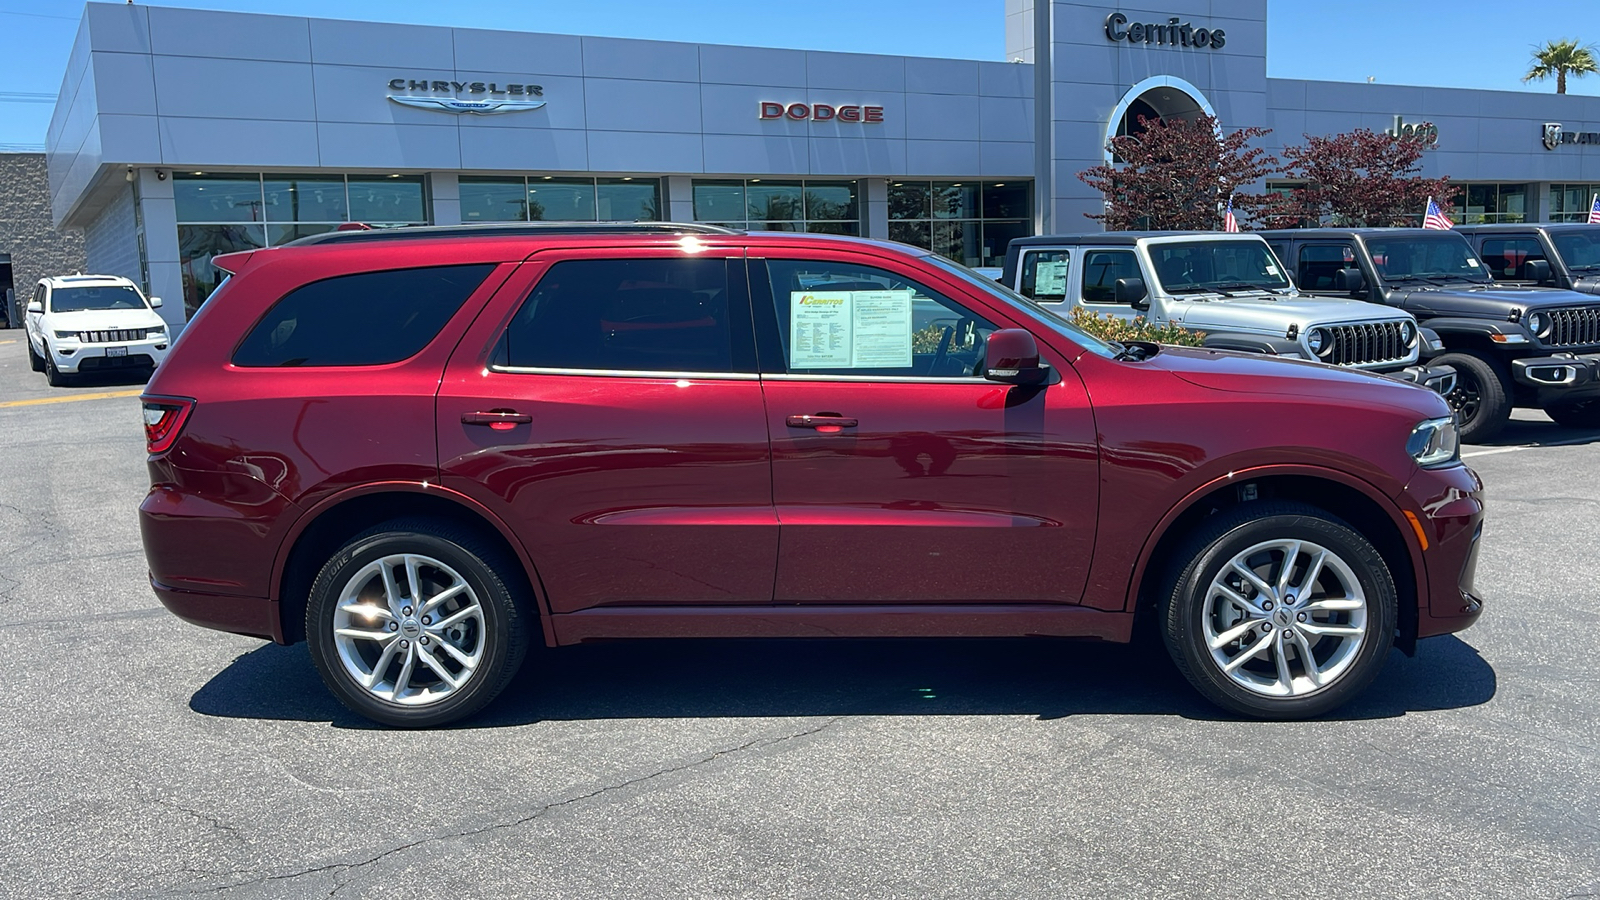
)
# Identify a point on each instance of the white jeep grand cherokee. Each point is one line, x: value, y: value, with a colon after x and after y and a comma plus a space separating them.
x: 91, y: 323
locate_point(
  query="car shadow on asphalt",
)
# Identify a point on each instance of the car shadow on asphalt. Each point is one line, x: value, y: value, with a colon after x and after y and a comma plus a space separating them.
x: 1521, y: 432
x: 111, y: 378
x: 1039, y: 677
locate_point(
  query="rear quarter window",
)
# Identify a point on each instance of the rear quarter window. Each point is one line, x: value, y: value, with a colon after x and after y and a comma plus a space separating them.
x: 366, y: 319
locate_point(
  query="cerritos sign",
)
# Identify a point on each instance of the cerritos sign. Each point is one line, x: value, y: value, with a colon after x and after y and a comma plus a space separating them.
x: 492, y: 98
x: 820, y: 112
x: 1554, y: 136
x: 1172, y: 33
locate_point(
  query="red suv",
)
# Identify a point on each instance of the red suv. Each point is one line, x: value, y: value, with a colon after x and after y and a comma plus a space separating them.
x: 422, y: 450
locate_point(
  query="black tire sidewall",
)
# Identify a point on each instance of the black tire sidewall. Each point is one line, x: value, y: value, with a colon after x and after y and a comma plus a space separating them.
x: 1494, y: 396
x: 502, y: 631
x: 1186, y: 607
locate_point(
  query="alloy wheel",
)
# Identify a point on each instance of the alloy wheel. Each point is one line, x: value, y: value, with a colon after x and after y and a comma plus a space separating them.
x: 409, y: 629
x: 1285, y: 618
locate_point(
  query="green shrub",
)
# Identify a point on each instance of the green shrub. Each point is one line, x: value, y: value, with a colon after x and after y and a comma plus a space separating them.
x: 1112, y: 328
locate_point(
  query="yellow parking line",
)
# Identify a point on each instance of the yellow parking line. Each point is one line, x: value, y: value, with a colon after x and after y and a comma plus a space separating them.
x: 7, y: 342
x: 68, y: 398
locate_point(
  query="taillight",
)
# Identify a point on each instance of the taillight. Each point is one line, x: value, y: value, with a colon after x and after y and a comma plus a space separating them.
x: 163, y: 421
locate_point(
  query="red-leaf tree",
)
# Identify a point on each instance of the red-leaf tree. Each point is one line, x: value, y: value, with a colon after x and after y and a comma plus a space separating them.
x: 1178, y: 174
x: 1361, y: 178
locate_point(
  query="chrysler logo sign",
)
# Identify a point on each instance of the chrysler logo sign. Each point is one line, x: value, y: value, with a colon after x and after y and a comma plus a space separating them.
x: 494, y: 100
x: 1554, y: 136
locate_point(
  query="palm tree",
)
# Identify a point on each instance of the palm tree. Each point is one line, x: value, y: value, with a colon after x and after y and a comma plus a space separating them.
x: 1558, y: 58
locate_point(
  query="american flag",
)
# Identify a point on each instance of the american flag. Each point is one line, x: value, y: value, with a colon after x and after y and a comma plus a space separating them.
x: 1594, y: 211
x: 1230, y: 222
x: 1436, y: 219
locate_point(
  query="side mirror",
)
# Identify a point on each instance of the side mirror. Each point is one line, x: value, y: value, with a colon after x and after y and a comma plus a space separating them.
x: 1013, y: 358
x: 1538, y: 270
x: 1131, y: 291
x: 1349, y: 280
x: 155, y: 302
x: 35, y: 306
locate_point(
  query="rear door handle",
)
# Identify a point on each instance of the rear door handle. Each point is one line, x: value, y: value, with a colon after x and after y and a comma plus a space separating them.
x: 824, y: 423
x: 498, y: 419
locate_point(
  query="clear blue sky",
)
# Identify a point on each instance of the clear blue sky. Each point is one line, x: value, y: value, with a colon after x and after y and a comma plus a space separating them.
x: 1476, y: 43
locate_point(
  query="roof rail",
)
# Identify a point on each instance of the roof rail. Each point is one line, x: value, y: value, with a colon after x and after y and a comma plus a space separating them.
x: 506, y: 229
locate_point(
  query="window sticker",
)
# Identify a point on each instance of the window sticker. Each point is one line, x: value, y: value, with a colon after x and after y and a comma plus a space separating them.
x: 849, y: 329
x: 1472, y: 262
x: 1272, y: 269
x: 1050, y: 278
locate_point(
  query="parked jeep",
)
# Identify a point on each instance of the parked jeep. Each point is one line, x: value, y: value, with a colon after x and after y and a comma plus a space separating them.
x: 1540, y: 254
x: 1227, y: 286
x: 1511, y: 345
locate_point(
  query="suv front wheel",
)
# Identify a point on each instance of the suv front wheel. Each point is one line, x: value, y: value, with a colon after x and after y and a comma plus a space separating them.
x: 411, y: 624
x: 1482, y: 395
x: 1280, y: 611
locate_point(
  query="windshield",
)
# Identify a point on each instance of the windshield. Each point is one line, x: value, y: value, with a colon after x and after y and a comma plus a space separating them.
x: 1195, y: 266
x: 1043, y: 313
x: 1580, y: 250
x: 1421, y: 259
x: 78, y: 299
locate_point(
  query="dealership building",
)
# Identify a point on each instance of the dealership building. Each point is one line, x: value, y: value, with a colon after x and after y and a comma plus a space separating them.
x: 180, y: 134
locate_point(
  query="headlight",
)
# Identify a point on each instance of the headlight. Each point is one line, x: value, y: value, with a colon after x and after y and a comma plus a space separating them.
x: 1434, y: 443
x: 65, y: 335
x: 1539, y: 323
x: 1317, y: 340
x: 1408, y: 333
x: 151, y: 333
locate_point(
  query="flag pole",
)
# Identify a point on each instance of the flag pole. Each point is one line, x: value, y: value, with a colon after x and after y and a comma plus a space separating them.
x: 1425, y: 207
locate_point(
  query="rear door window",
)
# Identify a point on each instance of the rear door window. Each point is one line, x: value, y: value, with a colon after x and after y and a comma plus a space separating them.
x: 366, y: 319
x: 1044, y: 275
x: 1320, y: 263
x: 1508, y: 258
x: 666, y: 315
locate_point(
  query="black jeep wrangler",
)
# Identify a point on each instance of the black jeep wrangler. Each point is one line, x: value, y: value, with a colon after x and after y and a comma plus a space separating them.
x: 1541, y: 254
x: 1511, y: 345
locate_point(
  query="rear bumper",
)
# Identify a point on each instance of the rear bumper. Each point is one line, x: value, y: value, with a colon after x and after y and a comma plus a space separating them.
x: 1439, y: 379
x: 250, y: 616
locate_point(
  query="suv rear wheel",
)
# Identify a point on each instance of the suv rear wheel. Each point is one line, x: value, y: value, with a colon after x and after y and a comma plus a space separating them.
x: 411, y: 624
x: 1482, y: 396
x: 1279, y: 611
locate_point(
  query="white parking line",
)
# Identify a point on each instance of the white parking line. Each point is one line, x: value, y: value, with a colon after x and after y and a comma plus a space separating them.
x: 1587, y: 440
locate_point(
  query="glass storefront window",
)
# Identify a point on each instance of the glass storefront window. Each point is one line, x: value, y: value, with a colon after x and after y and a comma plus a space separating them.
x: 1571, y: 202
x: 819, y: 207
x: 967, y: 221
x: 553, y: 199
x: 1488, y: 203
x: 721, y: 202
x: 629, y: 199
x: 395, y: 200
x: 493, y: 200
x: 305, y: 198
x: 199, y: 244
x: 218, y: 198
x: 774, y: 201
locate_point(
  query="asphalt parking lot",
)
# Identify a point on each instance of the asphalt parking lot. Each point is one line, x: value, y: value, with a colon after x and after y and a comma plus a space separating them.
x: 146, y: 757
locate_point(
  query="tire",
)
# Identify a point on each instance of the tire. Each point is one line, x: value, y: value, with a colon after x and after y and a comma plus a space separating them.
x: 1584, y: 414
x: 1482, y: 396
x: 35, y: 361
x: 1353, y: 593
x: 482, y: 649
x: 53, y: 375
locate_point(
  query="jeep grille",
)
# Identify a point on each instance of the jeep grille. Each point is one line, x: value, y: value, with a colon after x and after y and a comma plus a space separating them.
x: 1575, y: 326
x: 117, y: 336
x: 1367, y: 343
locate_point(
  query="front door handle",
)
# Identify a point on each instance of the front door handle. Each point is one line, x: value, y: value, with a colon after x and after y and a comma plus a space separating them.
x: 825, y: 423
x: 498, y: 419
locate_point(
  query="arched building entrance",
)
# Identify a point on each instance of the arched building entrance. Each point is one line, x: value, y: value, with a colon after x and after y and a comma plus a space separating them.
x: 1160, y: 97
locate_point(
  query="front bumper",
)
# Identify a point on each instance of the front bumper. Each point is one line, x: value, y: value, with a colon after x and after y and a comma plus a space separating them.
x: 1439, y: 379
x: 1559, y: 374
x: 1446, y: 507
x: 73, y: 358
